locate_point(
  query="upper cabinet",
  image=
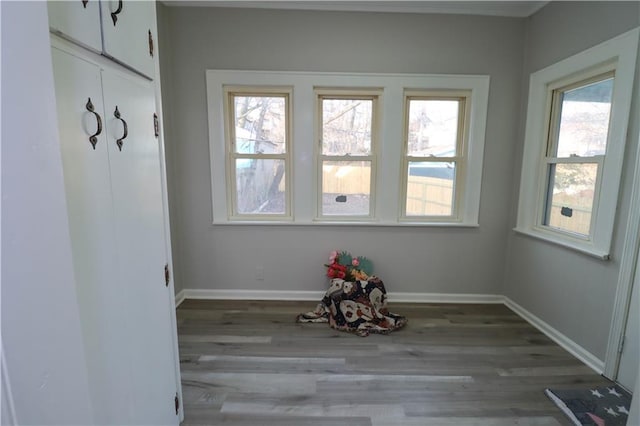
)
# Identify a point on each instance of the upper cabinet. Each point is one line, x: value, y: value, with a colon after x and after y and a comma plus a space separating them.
x: 124, y: 31
x: 128, y: 33
x: 78, y: 21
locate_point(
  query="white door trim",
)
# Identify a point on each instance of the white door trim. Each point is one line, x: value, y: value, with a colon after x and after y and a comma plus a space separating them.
x: 626, y: 276
x: 8, y: 408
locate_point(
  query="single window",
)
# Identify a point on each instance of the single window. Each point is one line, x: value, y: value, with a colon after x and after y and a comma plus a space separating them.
x: 347, y: 123
x: 577, y: 143
x: 577, y: 119
x: 257, y: 133
x: 435, y: 155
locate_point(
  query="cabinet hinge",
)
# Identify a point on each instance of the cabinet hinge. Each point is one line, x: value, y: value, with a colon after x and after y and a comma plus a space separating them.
x: 621, y: 347
x: 167, y: 275
x: 177, y: 403
x: 150, y: 44
x: 156, y: 125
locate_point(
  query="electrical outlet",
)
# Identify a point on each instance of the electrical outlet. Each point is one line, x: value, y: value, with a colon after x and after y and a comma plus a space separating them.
x: 259, y: 273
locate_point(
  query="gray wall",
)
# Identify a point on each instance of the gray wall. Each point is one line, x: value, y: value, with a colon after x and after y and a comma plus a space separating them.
x: 408, y: 259
x: 572, y: 292
x: 41, y: 336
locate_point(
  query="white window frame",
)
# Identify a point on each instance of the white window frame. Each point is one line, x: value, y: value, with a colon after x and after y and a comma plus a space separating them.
x: 618, y: 54
x: 460, y: 159
x: 303, y: 167
x: 231, y: 155
x: 374, y: 95
x: 553, y: 122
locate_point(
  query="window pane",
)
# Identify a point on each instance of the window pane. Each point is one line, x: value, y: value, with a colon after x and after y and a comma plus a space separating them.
x: 584, y: 120
x: 260, y: 124
x: 433, y: 127
x: 430, y: 189
x: 260, y: 186
x: 571, y: 196
x: 346, y: 126
x: 346, y: 188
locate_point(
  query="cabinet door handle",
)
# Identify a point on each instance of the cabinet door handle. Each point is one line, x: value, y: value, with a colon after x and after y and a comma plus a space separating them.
x: 114, y: 15
x: 84, y: 3
x: 120, y: 142
x: 93, y: 139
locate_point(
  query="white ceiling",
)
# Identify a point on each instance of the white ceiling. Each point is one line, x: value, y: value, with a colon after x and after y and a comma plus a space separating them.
x: 494, y: 8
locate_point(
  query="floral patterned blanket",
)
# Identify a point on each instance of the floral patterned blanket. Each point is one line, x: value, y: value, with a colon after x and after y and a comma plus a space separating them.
x: 359, y: 307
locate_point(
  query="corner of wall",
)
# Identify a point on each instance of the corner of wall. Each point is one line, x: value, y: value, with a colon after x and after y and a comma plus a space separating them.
x: 171, y: 151
x: 517, y: 159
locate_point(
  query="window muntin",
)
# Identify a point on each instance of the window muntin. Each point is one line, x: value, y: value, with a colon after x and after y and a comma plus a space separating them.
x: 434, y: 160
x: 347, y: 124
x: 579, y: 116
x: 258, y: 150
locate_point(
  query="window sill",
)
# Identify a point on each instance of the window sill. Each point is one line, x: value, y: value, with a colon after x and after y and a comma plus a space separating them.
x: 349, y: 223
x: 578, y: 246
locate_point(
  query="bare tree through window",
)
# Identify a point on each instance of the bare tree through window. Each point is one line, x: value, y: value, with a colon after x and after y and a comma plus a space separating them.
x: 260, y: 148
x: 347, y: 134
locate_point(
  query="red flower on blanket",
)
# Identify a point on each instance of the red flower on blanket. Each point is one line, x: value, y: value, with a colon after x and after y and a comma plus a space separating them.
x: 337, y: 271
x: 344, y: 266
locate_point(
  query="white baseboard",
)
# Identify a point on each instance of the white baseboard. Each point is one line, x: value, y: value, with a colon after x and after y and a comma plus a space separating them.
x: 400, y: 297
x: 572, y: 347
x: 180, y: 298
x: 253, y: 295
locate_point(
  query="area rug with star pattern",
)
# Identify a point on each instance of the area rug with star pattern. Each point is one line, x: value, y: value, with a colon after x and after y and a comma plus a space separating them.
x: 605, y: 406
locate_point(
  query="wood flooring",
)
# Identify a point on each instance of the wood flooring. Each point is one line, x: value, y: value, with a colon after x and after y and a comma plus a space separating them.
x: 249, y: 363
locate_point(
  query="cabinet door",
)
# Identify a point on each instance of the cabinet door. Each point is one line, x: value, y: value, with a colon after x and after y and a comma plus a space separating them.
x: 126, y: 26
x: 78, y: 21
x: 139, y: 218
x: 91, y: 223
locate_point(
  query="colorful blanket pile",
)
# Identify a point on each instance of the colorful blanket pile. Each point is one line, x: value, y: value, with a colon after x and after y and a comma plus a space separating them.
x: 359, y: 307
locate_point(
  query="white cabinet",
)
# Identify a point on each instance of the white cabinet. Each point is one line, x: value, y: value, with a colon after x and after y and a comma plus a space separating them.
x: 112, y: 176
x: 89, y: 205
x: 140, y: 243
x: 106, y: 88
x: 128, y: 32
x: 78, y: 21
x: 121, y: 30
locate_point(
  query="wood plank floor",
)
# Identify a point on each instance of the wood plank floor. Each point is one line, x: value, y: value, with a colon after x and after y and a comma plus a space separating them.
x: 248, y: 363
